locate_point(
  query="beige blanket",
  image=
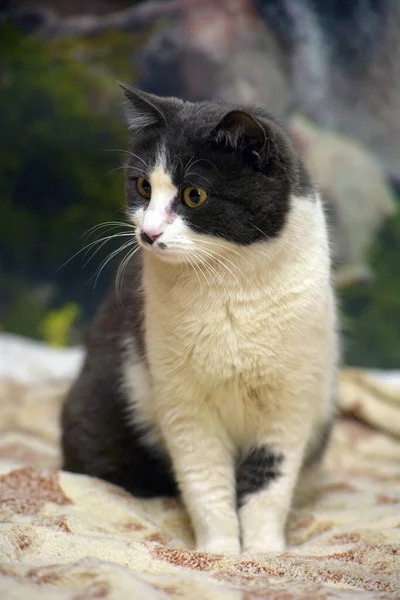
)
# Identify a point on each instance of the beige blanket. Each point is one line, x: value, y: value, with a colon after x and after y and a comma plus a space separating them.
x: 66, y: 536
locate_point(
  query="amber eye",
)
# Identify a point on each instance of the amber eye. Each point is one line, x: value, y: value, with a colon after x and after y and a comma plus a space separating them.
x: 144, y: 187
x: 194, y: 197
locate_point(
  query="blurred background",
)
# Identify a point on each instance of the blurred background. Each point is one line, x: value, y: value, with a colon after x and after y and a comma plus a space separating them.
x: 330, y: 69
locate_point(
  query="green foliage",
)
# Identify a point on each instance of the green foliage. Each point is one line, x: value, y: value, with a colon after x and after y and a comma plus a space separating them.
x: 58, y: 118
x: 53, y: 159
x: 24, y: 313
x: 372, y: 312
x: 57, y: 324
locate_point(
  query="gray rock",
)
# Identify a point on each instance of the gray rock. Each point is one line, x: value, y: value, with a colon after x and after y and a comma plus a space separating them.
x: 221, y: 50
x: 355, y: 190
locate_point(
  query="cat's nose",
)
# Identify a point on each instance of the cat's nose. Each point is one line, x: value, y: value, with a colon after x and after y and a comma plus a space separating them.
x: 149, y: 236
x: 152, y: 227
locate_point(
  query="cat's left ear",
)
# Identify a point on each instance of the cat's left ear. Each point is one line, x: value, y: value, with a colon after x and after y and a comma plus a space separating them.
x: 144, y: 111
x: 241, y: 130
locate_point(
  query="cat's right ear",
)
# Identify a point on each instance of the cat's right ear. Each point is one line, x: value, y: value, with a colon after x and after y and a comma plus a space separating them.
x: 239, y: 129
x: 144, y: 111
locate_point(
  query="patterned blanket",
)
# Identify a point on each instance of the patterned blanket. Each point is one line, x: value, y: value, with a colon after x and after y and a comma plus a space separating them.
x: 65, y: 536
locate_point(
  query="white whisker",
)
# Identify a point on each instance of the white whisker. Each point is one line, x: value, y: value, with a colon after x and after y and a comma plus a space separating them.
x: 210, y: 269
x: 227, y: 248
x: 133, y: 168
x: 220, y: 258
x: 189, y: 162
x: 213, y: 256
x: 214, y: 272
x: 119, y: 280
x: 110, y: 257
x: 104, y: 241
x: 111, y: 171
x: 197, y: 175
x: 261, y: 231
x: 139, y: 170
x: 193, y: 265
x: 91, y: 244
x: 130, y: 154
x: 106, y: 224
x: 205, y: 266
x: 227, y: 260
x: 193, y: 163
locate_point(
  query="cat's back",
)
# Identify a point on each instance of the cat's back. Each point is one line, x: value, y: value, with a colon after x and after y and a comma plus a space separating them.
x: 95, y: 392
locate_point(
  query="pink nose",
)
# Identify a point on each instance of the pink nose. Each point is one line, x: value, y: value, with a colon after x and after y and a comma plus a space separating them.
x: 150, y: 233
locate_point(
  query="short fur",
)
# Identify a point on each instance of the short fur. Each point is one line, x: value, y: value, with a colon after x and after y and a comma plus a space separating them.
x: 214, y: 373
x: 255, y: 471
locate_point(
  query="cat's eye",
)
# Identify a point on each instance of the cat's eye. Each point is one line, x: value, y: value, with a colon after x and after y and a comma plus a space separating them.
x: 144, y: 187
x: 194, y: 197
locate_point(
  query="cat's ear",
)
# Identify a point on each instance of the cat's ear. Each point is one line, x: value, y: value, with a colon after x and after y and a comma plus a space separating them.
x: 239, y: 129
x: 143, y: 111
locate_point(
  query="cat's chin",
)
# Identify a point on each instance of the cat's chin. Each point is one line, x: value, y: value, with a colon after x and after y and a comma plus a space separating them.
x: 169, y: 255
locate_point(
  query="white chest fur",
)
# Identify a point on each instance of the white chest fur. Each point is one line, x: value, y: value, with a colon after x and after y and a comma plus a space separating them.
x: 226, y: 344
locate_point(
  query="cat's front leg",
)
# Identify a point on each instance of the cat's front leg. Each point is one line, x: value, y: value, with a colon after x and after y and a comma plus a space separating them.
x: 266, y: 480
x: 204, y: 468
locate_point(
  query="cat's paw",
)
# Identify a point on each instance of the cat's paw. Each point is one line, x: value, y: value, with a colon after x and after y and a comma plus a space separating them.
x: 220, y: 545
x: 265, y: 546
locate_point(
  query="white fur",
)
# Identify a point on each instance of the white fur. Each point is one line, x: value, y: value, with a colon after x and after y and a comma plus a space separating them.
x: 137, y: 118
x: 163, y: 192
x: 137, y: 381
x: 181, y: 244
x: 242, y: 352
x: 138, y: 122
x: 152, y: 222
x: 157, y: 218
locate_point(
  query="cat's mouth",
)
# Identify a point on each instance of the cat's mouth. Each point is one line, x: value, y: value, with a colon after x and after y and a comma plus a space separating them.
x: 162, y: 249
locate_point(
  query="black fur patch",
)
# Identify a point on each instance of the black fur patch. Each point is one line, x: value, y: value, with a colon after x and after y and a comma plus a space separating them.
x: 249, y: 182
x: 256, y: 471
x: 98, y: 437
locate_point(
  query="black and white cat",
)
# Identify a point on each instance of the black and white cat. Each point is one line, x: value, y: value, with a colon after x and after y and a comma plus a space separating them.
x: 214, y: 376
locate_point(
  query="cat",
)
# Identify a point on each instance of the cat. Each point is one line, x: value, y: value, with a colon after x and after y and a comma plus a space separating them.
x: 212, y: 373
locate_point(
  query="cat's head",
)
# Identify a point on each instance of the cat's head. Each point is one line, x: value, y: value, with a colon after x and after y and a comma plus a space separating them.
x: 206, y: 176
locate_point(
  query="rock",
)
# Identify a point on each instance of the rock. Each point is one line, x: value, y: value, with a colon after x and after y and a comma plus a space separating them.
x: 355, y: 190
x: 345, y: 66
x: 289, y: 54
x: 364, y: 90
x: 221, y: 50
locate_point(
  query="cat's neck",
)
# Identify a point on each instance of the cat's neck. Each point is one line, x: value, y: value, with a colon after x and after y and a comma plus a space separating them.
x: 228, y: 270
